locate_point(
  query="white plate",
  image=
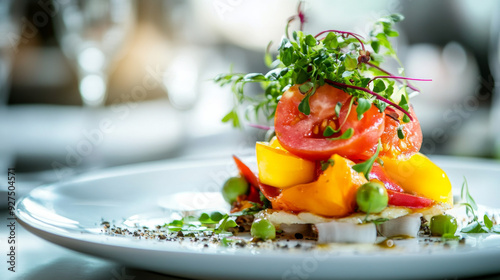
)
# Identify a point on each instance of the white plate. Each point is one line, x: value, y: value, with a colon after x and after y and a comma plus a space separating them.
x: 69, y: 213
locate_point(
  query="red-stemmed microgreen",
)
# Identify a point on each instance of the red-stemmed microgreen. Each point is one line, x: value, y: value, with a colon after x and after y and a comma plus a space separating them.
x: 335, y: 57
x: 399, y: 78
x: 346, y: 33
x: 408, y: 84
x: 376, y: 95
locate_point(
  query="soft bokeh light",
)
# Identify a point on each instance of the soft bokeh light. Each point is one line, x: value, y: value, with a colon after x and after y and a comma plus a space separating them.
x: 91, y: 59
x: 93, y: 89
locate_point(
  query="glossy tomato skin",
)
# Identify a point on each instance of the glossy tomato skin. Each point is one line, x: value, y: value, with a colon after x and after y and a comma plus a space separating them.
x: 296, y: 131
x: 394, y: 147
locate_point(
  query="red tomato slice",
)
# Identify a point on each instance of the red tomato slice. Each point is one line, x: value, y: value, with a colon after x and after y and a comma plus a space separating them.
x: 302, y: 134
x: 408, y: 200
x: 246, y: 172
x: 392, y: 145
x: 268, y: 191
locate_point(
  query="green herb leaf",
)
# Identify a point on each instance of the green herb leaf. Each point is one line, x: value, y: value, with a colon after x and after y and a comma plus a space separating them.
x: 351, y: 63
x: 465, y: 195
x: 306, y: 87
x: 254, y: 77
x: 326, y: 164
x: 225, y: 225
x: 378, y: 86
x: 375, y: 46
x: 363, y: 106
x: 366, y: 167
x: 216, y: 216
x: 330, y: 42
x: 328, y: 131
x: 401, y: 134
x: 346, y: 135
x: 304, y: 106
x: 286, y: 52
x: 487, y: 222
x: 176, y: 223
x: 233, y: 117
x: 474, y: 227
x: 397, y: 17
x: 310, y: 41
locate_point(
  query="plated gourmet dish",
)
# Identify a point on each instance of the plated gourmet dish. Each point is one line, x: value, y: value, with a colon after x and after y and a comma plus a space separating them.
x: 345, y: 156
x: 343, y: 163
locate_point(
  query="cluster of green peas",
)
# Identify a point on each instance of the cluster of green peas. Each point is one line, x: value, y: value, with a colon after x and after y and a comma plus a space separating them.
x: 371, y: 197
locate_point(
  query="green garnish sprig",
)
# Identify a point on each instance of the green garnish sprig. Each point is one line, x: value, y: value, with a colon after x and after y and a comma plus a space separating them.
x: 475, y: 226
x: 334, y: 57
x: 365, y: 167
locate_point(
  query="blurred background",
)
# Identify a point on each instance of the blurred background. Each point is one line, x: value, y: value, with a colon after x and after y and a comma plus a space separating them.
x: 90, y: 84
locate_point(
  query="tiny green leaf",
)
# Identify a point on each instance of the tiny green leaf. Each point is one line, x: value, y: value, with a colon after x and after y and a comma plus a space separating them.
x: 254, y: 77
x: 366, y: 167
x: 375, y: 46
x: 310, y: 41
x: 401, y: 134
x: 302, y: 76
x: 233, y: 117
x: 465, y: 195
x: 306, y: 87
x: 216, y: 216
x: 474, y: 227
x: 330, y: 41
x: 363, y: 106
x: 378, y: 86
x: 351, y: 63
x: 286, y: 52
x: 397, y: 17
x: 304, y: 106
x: 176, y: 223
x: 487, y: 222
x: 225, y: 224
x: 346, y: 135
x: 326, y: 164
x: 329, y: 131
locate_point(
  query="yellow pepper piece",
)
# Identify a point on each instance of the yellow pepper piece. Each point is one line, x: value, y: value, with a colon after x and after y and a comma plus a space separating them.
x: 333, y: 194
x: 421, y: 176
x: 279, y: 168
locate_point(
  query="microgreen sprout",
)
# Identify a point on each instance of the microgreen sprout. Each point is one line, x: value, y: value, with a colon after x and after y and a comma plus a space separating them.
x: 335, y: 57
x: 475, y: 226
x: 366, y: 166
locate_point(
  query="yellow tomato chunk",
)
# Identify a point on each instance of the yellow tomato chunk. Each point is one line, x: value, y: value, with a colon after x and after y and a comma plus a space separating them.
x: 333, y: 194
x: 279, y: 168
x: 419, y: 175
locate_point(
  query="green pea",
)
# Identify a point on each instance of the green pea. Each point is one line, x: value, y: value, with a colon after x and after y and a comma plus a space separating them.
x: 263, y: 229
x: 234, y: 187
x: 372, y: 197
x: 443, y: 224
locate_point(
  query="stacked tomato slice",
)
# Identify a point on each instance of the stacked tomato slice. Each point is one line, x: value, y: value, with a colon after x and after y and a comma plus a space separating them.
x: 302, y: 134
